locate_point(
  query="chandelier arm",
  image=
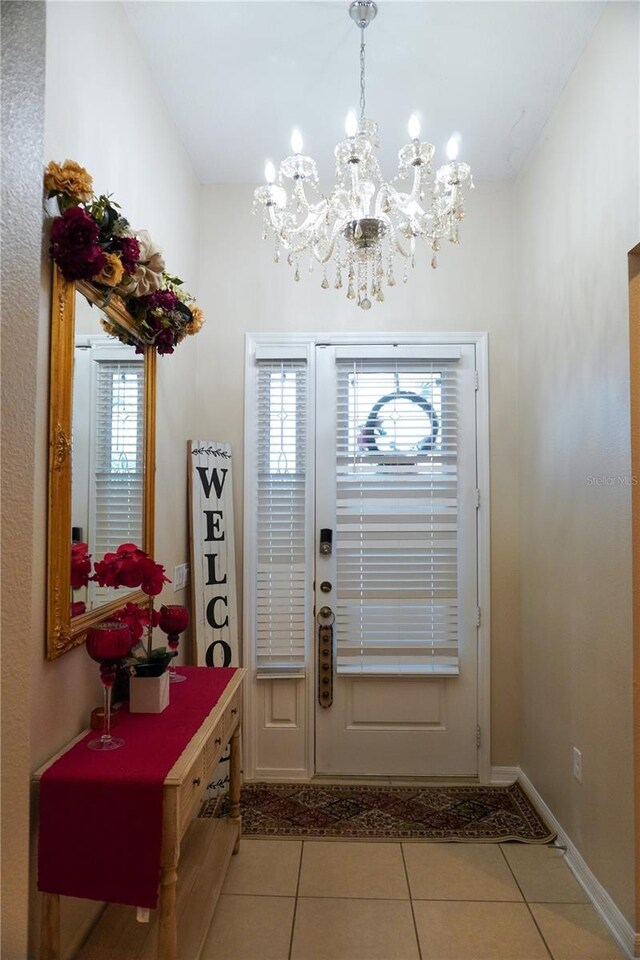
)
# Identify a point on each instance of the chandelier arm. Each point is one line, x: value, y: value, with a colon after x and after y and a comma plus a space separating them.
x: 273, y: 218
x: 298, y: 191
x: 355, y: 183
x: 395, y: 239
x: 418, y: 176
x: 324, y: 258
x: 294, y: 231
x: 451, y: 199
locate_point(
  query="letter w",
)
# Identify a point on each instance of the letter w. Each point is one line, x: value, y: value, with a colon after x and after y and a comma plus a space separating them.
x: 215, y: 480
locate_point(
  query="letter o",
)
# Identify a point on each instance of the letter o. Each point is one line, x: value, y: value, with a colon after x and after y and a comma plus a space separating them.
x: 226, y: 653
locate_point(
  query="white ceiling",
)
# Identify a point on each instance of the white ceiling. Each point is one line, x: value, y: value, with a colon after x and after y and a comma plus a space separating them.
x: 237, y: 76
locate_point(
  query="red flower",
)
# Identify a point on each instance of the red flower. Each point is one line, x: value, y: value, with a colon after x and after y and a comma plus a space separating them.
x: 128, y: 249
x: 74, y: 244
x: 130, y: 567
x: 80, y: 565
x: 136, y: 618
x: 164, y: 300
x: 107, y: 571
x: 153, y: 578
x: 77, y: 608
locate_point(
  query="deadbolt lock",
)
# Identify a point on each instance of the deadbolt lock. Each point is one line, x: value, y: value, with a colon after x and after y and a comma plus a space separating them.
x: 326, y: 587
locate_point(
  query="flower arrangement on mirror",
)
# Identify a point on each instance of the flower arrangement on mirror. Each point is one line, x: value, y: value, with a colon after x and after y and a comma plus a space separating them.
x: 91, y: 240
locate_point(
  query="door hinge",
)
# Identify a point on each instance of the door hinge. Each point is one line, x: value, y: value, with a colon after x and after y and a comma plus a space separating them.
x: 477, y: 379
x: 478, y: 616
x: 477, y: 736
x: 477, y: 498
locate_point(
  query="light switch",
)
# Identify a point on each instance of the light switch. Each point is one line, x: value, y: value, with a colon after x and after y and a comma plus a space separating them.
x: 180, y: 576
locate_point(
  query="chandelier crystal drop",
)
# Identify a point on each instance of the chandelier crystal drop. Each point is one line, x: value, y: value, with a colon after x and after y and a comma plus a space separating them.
x: 366, y: 222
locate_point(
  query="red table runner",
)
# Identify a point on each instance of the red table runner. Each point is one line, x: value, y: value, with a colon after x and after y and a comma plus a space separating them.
x: 100, y: 834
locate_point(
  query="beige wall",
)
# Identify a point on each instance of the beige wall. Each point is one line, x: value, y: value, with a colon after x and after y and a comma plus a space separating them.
x: 244, y: 291
x: 23, y: 47
x: 577, y: 216
x: 121, y: 132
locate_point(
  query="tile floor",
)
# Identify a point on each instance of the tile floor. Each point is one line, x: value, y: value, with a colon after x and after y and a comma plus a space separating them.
x: 340, y: 900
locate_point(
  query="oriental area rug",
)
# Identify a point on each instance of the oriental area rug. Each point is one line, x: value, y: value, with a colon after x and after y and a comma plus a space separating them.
x: 360, y: 812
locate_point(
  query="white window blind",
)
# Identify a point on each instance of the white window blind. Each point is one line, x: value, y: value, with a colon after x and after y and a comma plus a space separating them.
x: 396, y: 517
x: 281, y: 536
x: 119, y: 457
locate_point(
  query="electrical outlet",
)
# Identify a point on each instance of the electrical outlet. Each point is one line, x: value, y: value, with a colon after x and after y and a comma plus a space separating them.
x: 577, y: 764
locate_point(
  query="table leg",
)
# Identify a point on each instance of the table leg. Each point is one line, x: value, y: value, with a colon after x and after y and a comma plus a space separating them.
x: 50, y: 927
x: 167, y: 920
x: 234, y: 784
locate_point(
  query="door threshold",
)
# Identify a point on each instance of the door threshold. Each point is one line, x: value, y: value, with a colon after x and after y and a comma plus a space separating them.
x: 393, y: 781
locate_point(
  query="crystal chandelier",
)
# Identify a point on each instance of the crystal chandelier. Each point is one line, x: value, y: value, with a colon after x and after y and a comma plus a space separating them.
x: 365, y: 222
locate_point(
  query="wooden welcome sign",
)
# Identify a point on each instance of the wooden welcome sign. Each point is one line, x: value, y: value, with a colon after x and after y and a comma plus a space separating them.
x: 213, y: 568
x: 213, y: 572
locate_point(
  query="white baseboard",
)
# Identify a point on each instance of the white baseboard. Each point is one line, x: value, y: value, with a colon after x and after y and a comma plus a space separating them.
x: 617, y: 923
x: 503, y: 775
x: 278, y: 775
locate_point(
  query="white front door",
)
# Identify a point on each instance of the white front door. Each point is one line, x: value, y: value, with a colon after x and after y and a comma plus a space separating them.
x: 395, y: 497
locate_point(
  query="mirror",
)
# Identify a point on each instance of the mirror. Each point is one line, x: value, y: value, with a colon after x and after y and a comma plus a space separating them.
x: 102, y: 456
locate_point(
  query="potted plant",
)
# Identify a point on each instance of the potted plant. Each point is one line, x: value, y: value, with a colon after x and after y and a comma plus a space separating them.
x: 131, y: 567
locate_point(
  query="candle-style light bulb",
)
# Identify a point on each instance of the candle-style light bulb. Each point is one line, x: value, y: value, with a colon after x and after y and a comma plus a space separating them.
x: 414, y: 126
x: 269, y: 172
x: 453, y: 146
x: 296, y: 141
x: 351, y: 124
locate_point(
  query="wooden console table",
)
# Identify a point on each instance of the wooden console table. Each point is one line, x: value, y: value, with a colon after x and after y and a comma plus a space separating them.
x: 195, y: 854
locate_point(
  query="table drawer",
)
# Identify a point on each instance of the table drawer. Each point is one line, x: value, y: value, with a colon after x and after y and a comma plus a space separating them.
x: 215, y: 745
x: 192, y: 788
x: 233, y: 712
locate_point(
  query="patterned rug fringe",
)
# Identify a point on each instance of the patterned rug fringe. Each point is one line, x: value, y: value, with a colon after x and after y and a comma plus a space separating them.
x: 465, y: 814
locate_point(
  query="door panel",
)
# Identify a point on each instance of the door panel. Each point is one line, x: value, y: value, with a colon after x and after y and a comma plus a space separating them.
x: 403, y: 705
x: 395, y: 482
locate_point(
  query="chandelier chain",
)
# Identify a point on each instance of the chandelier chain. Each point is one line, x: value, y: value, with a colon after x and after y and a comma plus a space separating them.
x: 362, y: 76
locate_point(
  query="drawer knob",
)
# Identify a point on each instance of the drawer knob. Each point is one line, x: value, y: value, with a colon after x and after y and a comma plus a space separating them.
x: 218, y: 740
x: 234, y: 710
x: 196, y: 781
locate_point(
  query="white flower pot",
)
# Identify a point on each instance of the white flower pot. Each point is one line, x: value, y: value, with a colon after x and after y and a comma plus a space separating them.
x: 149, y: 694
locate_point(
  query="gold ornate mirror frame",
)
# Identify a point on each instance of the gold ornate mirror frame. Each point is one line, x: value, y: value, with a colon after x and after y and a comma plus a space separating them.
x: 63, y: 632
